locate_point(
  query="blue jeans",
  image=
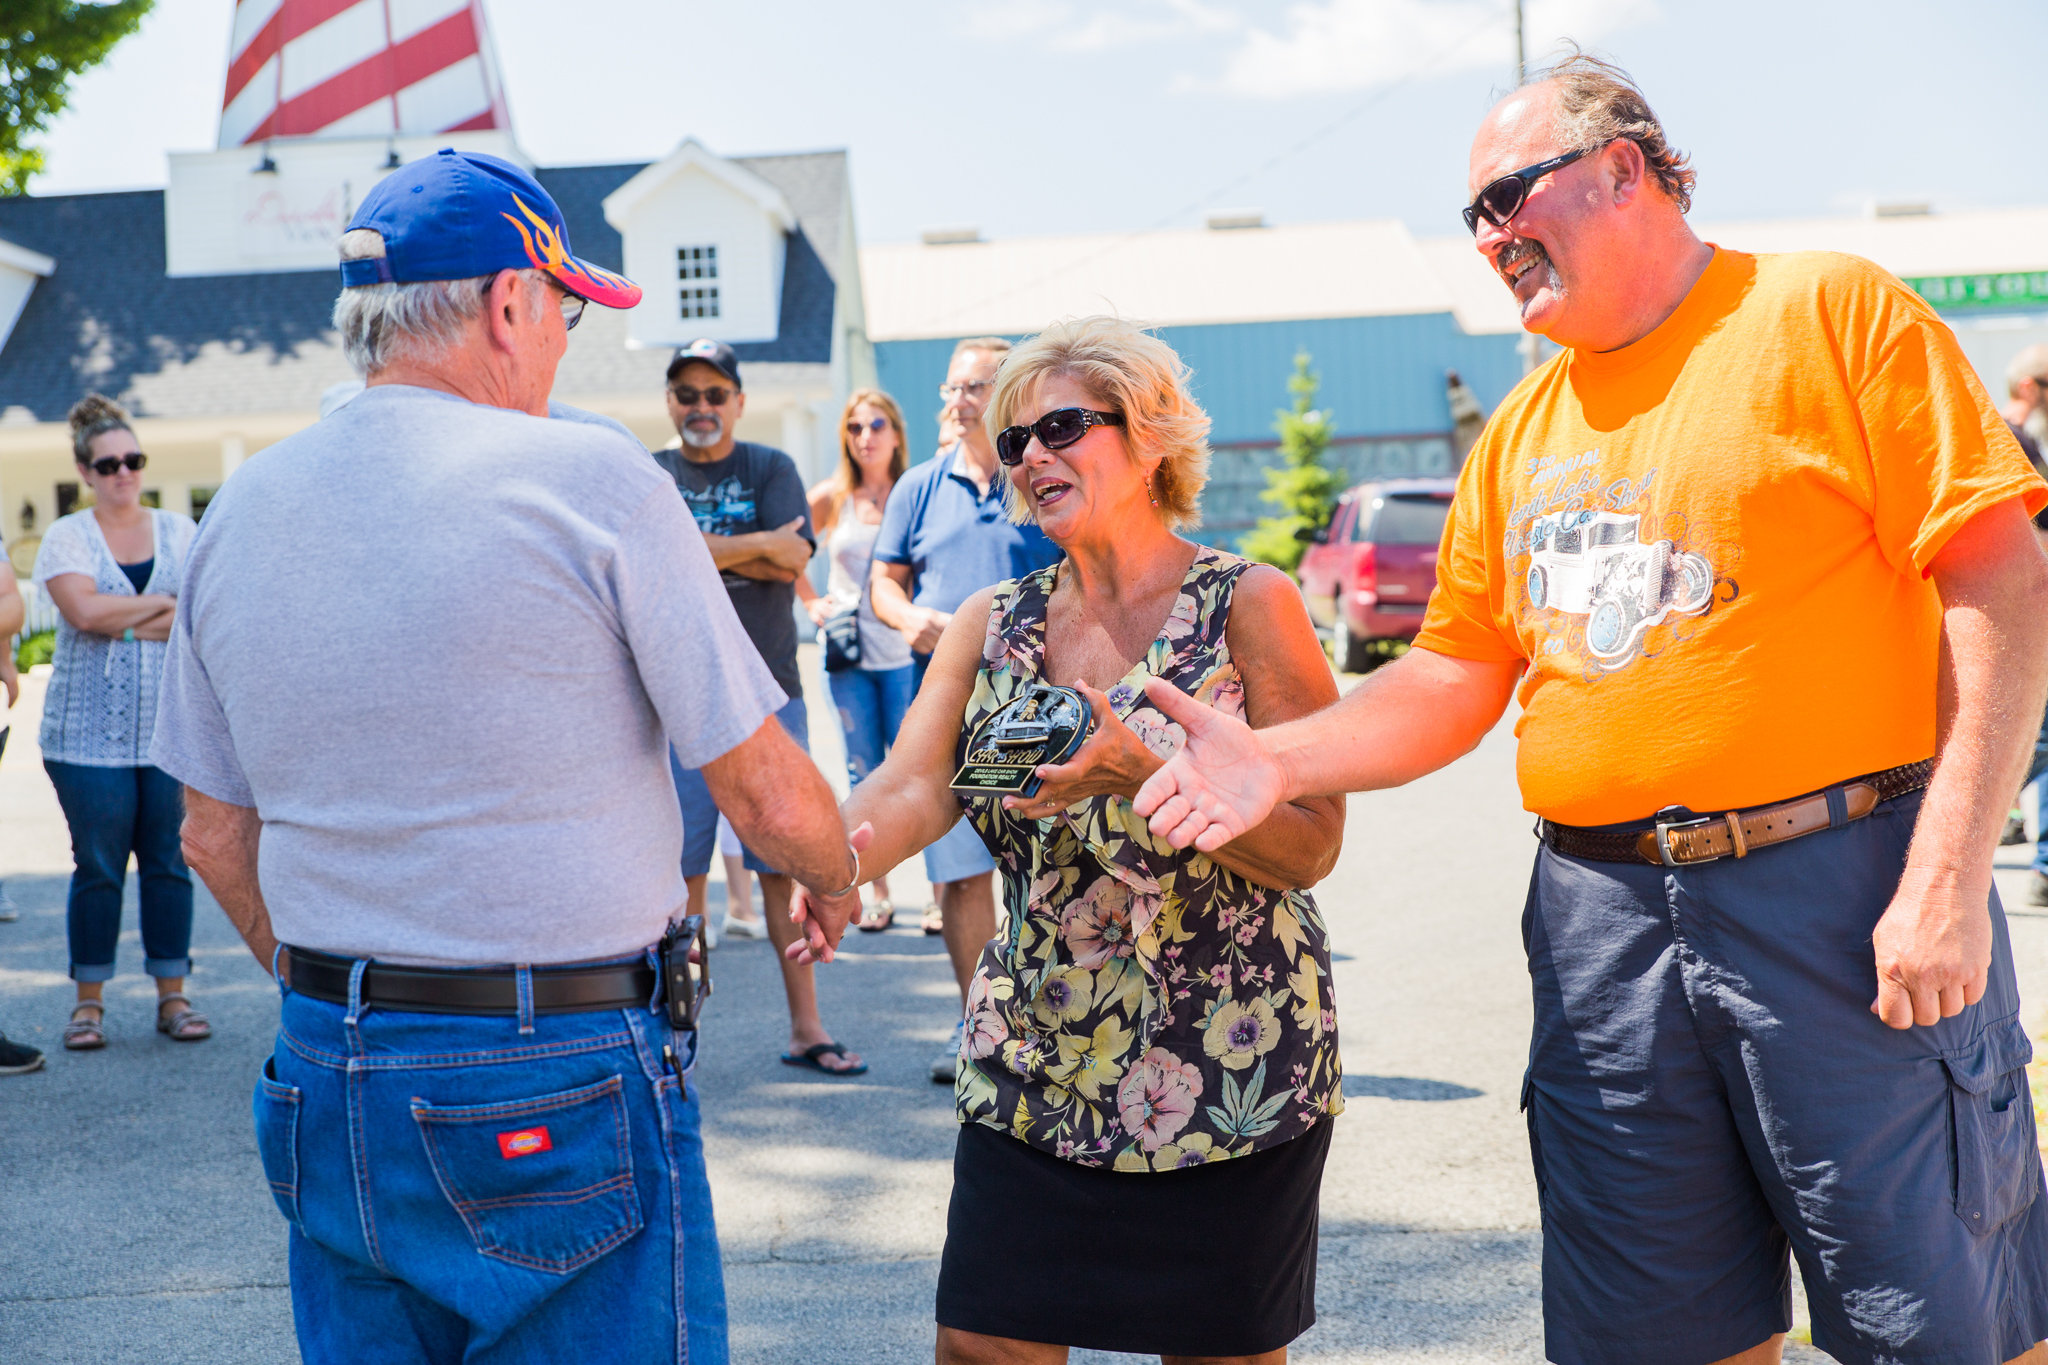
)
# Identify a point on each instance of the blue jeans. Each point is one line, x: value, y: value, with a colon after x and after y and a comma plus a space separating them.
x: 700, y: 812
x: 462, y: 1190
x: 871, y: 705
x: 113, y: 812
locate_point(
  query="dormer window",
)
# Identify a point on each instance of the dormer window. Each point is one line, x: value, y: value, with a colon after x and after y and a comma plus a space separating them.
x: 695, y: 265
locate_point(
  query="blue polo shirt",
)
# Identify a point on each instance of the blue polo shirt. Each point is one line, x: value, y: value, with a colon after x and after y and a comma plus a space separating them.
x: 955, y: 539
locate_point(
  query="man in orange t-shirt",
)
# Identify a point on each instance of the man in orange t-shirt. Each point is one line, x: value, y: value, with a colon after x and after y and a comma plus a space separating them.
x: 1756, y: 549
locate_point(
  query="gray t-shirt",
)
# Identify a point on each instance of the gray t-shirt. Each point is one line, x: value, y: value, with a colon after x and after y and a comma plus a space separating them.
x: 441, y: 648
x: 756, y: 488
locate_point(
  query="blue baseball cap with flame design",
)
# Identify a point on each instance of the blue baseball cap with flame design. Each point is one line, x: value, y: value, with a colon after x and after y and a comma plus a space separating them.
x: 459, y: 215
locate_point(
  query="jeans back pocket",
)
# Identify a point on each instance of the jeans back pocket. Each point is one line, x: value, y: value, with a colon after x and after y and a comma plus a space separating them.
x: 1997, y: 1161
x: 277, y: 1138
x: 545, y: 1182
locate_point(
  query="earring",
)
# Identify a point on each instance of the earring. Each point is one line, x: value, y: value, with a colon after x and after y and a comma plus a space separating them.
x: 1148, y: 491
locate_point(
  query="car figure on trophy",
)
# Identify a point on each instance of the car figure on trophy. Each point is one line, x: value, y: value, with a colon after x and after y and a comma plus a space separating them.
x: 1042, y: 724
x: 1593, y: 564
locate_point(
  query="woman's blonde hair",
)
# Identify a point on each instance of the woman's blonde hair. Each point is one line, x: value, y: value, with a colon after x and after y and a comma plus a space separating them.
x: 1130, y: 372
x: 847, y: 477
x: 91, y: 416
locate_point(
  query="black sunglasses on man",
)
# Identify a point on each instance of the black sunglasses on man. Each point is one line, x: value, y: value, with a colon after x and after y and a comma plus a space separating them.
x: 1502, y: 199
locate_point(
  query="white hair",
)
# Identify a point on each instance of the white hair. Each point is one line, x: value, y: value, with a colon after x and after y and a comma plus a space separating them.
x: 421, y: 322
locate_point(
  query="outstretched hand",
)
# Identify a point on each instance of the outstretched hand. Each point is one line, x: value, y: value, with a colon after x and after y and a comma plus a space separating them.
x: 823, y: 918
x: 1221, y: 784
x: 1113, y: 762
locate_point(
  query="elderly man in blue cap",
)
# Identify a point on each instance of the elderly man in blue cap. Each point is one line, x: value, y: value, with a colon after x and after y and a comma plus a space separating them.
x: 463, y: 869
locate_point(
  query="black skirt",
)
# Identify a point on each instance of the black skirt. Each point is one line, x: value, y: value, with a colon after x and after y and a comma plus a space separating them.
x: 1215, y: 1260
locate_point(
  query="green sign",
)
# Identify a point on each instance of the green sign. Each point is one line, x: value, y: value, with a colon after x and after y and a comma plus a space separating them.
x: 2021, y: 289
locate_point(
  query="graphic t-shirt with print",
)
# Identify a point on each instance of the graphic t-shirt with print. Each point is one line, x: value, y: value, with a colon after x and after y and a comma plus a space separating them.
x: 756, y: 488
x: 1712, y: 546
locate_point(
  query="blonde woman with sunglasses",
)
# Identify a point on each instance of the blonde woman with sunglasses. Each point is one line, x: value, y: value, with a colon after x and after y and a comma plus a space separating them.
x: 873, y: 694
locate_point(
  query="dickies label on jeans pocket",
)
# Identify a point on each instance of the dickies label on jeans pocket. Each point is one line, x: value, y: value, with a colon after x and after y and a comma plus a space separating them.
x: 524, y: 1142
x: 541, y: 1181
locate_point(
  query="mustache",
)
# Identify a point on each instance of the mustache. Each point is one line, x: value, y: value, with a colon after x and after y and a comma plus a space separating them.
x: 1514, y: 253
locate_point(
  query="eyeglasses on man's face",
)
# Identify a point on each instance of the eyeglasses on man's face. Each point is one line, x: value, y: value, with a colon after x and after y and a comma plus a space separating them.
x: 572, y: 309
x: 877, y: 425
x: 973, y: 388
x: 1503, y: 198
x: 713, y: 397
x: 108, y: 464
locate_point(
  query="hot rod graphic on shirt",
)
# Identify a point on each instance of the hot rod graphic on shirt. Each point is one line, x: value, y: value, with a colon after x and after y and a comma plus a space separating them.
x: 1593, y: 564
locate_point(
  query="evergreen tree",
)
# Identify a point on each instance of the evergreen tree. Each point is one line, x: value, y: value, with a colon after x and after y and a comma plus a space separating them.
x: 1304, y: 488
x: 43, y: 44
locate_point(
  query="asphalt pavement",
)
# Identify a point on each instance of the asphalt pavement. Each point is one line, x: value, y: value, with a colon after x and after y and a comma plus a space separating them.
x: 137, y: 1227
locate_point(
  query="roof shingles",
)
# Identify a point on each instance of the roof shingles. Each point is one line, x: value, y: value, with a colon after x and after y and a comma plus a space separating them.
x: 111, y: 319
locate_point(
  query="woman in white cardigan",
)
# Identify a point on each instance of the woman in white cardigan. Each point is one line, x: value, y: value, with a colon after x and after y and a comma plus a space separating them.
x: 114, y: 571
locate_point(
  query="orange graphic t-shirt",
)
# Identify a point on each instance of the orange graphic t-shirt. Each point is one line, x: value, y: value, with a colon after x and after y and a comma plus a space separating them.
x: 1712, y: 546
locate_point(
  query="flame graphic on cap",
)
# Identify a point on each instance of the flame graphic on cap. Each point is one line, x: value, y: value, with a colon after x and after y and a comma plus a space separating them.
x: 550, y: 255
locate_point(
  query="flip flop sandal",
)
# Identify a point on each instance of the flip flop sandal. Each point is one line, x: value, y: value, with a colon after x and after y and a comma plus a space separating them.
x: 184, y: 1026
x: 817, y: 1050
x: 877, y: 917
x: 86, y: 1035
x: 934, y: 921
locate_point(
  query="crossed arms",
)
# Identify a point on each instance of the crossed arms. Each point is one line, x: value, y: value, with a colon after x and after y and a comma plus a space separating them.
x: 776, y: 556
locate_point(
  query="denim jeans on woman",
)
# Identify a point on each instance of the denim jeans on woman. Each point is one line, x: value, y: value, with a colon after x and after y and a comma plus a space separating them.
x: 113, y: 812
x: 462, y: 1189
x: 871, y: 704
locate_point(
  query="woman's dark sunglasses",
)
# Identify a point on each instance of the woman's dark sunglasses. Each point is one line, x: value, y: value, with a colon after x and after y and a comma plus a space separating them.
x: 1502, y: 199
x: 1055, y: 431
x: 104, y: 467
x: 877, y: 425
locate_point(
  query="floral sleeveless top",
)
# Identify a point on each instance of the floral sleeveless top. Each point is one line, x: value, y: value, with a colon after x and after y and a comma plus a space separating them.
x: 1145, y: 1009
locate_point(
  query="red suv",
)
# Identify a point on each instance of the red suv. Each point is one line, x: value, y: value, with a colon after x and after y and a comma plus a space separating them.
x: 1368, y: 577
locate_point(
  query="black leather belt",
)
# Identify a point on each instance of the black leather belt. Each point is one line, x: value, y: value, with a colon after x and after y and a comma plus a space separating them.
x: 1703, y: 839
x: 488, y: 990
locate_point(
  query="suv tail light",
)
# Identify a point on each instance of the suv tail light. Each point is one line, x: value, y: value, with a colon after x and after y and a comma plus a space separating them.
x: 1365, y: 573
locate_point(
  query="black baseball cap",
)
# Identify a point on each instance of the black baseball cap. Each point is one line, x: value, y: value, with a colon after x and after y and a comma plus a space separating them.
x: 705, y: 351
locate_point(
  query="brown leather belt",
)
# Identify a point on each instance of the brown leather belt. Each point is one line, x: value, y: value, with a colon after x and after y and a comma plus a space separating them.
x: 1677, y: 843
x: 489, y: 990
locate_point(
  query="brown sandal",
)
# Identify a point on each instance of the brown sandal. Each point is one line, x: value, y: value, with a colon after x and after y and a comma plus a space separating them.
x: 876, y: 917
x: 184, y: 1026
x: 86, y: 1035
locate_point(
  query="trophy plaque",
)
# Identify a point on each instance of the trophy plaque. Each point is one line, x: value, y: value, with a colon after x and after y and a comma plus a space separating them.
x: 1041, y: 724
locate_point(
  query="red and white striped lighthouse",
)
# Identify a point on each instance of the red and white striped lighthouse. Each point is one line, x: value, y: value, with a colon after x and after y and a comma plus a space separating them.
x: 358, y: 68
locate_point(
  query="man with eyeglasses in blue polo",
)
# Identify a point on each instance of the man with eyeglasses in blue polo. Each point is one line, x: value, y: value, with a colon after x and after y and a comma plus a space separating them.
x: 946, y: 535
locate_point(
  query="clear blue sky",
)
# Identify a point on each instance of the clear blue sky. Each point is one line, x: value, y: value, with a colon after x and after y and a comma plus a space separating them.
x: 1056, y: 116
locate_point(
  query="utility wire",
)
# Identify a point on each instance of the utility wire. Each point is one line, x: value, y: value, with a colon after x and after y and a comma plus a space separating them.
x: 1412, y: 75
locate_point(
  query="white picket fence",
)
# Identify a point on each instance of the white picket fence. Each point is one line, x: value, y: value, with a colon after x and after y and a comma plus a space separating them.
x: 42, y: 612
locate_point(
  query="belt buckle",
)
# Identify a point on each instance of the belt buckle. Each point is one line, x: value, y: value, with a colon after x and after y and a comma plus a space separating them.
x: 1664, y: 829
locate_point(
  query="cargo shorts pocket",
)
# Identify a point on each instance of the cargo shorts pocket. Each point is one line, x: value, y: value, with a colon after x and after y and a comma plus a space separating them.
x: 277, y: 1138
x: 1997, y: 1166
x: 546, y: 1182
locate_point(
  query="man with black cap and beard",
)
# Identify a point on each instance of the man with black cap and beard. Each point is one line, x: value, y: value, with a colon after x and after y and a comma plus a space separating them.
x: 749, y: 502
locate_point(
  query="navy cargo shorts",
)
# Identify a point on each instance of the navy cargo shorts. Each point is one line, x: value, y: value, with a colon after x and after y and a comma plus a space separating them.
x: 1708, y: 1088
